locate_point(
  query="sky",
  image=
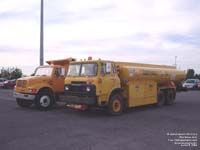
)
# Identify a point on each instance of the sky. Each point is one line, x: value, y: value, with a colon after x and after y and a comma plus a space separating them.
x: 144, y: 31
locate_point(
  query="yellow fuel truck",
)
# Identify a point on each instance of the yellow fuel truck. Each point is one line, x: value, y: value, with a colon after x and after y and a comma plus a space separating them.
x: 119, y: 85
x: 43, y: 88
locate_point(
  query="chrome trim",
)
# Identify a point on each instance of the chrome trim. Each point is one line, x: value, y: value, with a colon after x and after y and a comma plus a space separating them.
x: 24, y: 96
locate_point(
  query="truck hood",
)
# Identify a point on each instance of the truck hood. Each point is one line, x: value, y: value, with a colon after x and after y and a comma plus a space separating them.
x: 33, y: 80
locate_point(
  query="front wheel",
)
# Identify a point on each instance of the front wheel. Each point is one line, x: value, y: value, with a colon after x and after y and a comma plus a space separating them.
x: 116, y: 105
x: 24, y: 103
x: 44, y: 100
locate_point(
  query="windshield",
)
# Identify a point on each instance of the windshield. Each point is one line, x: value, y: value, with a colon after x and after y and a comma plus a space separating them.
x: 46, y: 71
x: 82, y: 69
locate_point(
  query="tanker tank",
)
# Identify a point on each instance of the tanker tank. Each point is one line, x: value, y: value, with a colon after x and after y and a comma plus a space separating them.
x: 160, y: 73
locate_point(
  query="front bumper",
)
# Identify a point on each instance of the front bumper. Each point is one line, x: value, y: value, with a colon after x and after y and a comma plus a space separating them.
x: 24, y: 96
x: 92, y: 101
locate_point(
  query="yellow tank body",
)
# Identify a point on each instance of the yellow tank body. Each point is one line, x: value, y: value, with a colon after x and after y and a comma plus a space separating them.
x: 160, y: 74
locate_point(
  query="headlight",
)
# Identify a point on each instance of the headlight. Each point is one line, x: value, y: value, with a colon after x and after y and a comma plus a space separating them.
x: 31, y: 90
x: 88, y: 89
x: 66, y: 88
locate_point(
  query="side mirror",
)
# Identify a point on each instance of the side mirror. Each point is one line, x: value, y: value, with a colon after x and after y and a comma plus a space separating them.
x: 33, y: 74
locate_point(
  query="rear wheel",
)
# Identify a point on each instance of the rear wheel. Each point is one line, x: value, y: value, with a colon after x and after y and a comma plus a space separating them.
x: 24, y: 103
x: 160, y: 98
x: 116, y: 105
x: 170, y: 97
x: 44, y: 100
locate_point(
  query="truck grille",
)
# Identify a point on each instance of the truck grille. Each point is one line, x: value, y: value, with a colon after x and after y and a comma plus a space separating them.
x: 21, y: 83
x: 78, y: 82
x: 80, y: 90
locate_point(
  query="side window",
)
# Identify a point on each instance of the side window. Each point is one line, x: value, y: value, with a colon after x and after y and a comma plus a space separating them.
x: 62, y: 72
x: 105, y: 68
x: 108, y: 68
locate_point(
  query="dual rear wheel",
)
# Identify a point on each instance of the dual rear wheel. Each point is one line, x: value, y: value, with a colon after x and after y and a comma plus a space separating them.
x: 166, y: 97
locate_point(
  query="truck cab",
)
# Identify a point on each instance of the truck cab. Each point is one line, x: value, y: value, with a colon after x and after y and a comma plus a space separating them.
x: 42, y: 88
x: 91, y: 82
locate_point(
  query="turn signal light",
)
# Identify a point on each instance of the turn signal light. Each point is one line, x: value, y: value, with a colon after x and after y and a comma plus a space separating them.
x: 30, y: 90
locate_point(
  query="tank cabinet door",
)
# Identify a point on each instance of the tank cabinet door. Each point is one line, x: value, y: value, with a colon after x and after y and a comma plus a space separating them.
x: 150, y: 92
x: 136, y: 93
x: 142, y: 92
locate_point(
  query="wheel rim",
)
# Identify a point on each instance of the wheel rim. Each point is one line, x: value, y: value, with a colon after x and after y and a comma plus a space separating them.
x: 116, y: 105
x: 45, y: 101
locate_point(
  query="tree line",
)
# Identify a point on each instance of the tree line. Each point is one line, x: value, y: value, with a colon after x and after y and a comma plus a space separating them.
x: 191, y: 74
x: 10, y: 73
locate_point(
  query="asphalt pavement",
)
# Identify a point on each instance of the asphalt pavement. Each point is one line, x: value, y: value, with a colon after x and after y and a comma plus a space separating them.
x: 141, y: 128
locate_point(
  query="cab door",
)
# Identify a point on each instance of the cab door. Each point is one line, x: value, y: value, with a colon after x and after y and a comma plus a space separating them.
x: 58, y: 79
x: 108, y: 79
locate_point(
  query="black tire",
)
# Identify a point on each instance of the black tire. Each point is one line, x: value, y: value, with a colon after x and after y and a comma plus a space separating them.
x: 160, y: 98
x: 44, y: 100
x: 116, y: 105
x: 170, y: 97
x: 24, y: 103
